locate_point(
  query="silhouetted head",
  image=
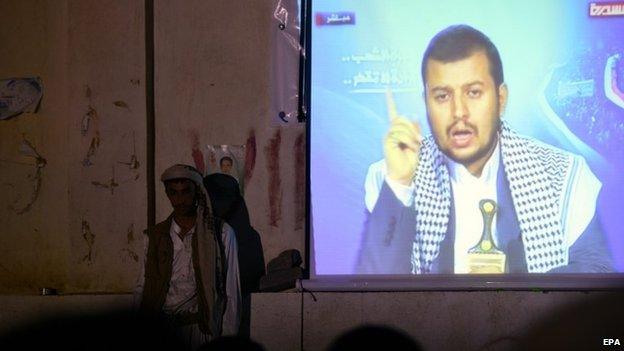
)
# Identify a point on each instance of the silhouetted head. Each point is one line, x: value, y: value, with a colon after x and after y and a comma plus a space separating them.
x: 374, y: 337
x: 226, y: 343
x: 224, y: 193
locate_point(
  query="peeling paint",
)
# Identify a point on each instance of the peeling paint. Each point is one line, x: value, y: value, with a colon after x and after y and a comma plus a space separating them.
x: 134, y: 161
x: 86, y: 120
x: 130, y: 239
x: 95, y: 144
x: 274, y: 187
x: 250, y: 156
x: 300, y: 182
x: 90, y: 118
x: 28, y: 149
x: 122, y: 104
x: 111, y: 184
x: 130, y: 233
x: 89, y: 238
x: 133, y: 255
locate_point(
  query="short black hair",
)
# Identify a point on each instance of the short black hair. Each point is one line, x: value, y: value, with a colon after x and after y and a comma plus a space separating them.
x: 458, y: 42
x: 225, y: 158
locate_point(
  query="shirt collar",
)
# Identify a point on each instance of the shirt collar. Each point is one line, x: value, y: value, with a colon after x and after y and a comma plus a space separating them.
x: 176, y: 229
x: 460, y: 174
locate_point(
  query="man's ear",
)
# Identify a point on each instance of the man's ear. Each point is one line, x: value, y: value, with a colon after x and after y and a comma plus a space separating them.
x: 503, y: 94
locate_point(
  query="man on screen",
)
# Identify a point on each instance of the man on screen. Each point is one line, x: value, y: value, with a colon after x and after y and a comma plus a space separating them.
x: 425, y: 215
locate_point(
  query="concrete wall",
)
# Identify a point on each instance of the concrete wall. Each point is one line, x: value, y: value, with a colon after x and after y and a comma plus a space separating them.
x: 82, y: 231
x: 34, y: 243
x: 212, y: 87
x: 477, y: 320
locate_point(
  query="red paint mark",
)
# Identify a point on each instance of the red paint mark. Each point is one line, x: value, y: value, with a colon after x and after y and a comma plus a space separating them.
x: 250, y: 156
x: 198, y: 156
x: 275, y: 191
x: 300, y: 181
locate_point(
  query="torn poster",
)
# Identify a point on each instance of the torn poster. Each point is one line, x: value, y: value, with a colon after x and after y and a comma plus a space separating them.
x: 18, y: 95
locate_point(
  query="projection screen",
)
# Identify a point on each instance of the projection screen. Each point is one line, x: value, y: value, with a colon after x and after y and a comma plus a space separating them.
x: 471, y: 173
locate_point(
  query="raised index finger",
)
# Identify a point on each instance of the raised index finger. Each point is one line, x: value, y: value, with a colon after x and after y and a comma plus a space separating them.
x: 392, y: 110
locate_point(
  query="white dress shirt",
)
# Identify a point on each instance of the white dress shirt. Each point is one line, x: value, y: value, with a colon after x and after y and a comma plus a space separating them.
x: 468, y: 190
x: 232, y: 316
x: 182, y: 294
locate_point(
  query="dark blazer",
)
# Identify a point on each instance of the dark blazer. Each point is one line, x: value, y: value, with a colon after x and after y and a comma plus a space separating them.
x: 389, y: 231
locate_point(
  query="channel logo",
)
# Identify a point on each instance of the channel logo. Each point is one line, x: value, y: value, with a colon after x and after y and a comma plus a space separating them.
x: 606, y: 9
x: 334, y: 18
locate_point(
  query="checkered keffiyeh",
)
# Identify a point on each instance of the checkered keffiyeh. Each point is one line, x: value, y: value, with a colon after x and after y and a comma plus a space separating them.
x: 536, y: 173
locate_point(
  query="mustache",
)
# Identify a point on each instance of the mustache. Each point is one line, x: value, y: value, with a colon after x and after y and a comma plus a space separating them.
x: 461, y: 125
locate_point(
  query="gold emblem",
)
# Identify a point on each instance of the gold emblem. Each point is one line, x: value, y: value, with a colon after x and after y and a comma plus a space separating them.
x: 485, y: 257
x: 486, y: 245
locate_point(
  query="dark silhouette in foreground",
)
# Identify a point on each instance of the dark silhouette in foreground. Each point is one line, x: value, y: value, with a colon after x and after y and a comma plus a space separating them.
x: 374, y: 337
